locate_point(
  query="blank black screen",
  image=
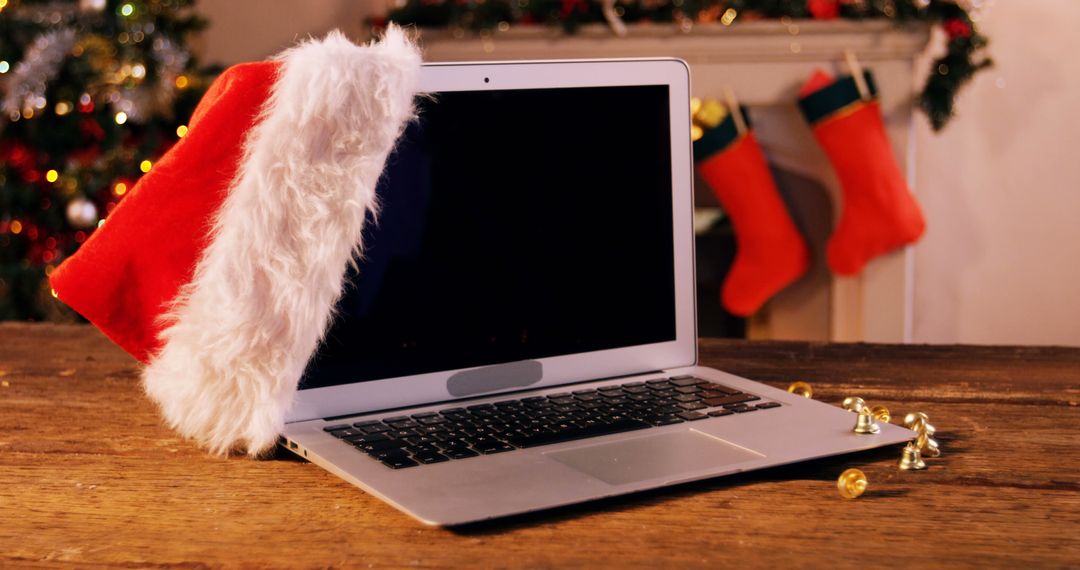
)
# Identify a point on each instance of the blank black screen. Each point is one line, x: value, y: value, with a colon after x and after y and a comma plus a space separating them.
x: 514, y: 224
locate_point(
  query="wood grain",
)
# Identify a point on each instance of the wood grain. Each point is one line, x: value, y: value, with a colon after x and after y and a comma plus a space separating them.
x: 90, y: 478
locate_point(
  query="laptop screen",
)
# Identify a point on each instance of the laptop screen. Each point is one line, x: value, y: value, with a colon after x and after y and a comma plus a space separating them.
x: 514, y: 225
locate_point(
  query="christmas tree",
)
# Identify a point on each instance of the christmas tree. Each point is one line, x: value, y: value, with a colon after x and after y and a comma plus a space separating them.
x: 92, y: 92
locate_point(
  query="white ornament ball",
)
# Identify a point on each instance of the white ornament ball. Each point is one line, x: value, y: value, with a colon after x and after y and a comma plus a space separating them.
x: 82, y: 213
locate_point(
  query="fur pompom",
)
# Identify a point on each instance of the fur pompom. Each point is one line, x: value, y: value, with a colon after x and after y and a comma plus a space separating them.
x: 242, y: 331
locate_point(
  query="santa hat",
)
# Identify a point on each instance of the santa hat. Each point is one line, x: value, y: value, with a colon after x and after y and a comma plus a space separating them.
x: 221, y: 267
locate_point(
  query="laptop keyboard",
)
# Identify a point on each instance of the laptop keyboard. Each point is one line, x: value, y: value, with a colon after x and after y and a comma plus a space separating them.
x: 464, y: 432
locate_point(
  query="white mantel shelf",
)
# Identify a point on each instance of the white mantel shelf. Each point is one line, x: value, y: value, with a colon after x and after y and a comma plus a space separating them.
x: 766, y: 62
x: 763, y: 40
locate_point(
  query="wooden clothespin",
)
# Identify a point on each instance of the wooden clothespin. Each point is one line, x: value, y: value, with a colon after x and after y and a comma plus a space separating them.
x: 736, y: 111
x: 857, y: 74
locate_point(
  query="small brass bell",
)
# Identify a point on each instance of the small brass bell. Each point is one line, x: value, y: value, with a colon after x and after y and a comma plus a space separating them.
x: 853, y: 404
x: 802, y: 389
x: 852, y: 483
x: 912, y: 460
x: 864, y: 419
x: 865, y: 423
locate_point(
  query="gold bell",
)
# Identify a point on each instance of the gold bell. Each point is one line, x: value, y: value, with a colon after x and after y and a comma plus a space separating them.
x: 851, y: 483
x: 865, y: 423
x: 881, y: 413
x: 912, y: 460
x: 802, y: 389
x: 853, y: 404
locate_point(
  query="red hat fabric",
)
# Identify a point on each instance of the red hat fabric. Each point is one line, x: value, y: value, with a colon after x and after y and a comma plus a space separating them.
x: 221, y: 267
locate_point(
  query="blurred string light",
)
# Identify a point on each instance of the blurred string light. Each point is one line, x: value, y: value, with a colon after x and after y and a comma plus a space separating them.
x: 181, y: 131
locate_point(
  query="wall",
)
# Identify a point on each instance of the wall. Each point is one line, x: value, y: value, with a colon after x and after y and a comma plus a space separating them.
x: 246, y: 30
x: 1000, y: 262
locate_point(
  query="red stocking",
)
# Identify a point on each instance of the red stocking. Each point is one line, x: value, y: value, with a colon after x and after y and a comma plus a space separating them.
x: 771, y: 253
x: 879, y: 213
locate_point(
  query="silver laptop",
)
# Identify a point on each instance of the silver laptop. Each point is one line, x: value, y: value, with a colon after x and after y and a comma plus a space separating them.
x: 520, y: 333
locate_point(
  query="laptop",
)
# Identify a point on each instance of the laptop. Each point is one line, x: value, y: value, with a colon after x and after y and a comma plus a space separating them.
x: 520, y: 332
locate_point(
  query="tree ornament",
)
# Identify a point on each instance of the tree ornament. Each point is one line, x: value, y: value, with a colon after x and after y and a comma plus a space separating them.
x: 82, y: 213
x: 26, y: 85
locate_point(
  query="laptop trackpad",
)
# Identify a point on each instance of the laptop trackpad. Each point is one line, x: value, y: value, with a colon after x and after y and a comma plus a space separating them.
x: 653, y: 457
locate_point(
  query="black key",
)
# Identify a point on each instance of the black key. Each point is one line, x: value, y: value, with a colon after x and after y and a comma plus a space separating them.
x: 657, y: 381
x: 635, y: 389
x: 424, y: 415
x: 479, y: 407
x: 389, y: 453
x: 368, y: 423
x: 558, y: 395
x: 691, y: 406
x: 376, y: 446
x: 616, y: 426
x: 616, y: 393
x: 685, y: 380
x: 668, y: 409
x: 718, y: 413
x: 415, y: 449
x: 728, y: 400
x: 633, y: 384
x: 347, y: 433
x: 421, y: 440
x: 337, y: 427
x: 403, y: 424
x: 668, y: 420
x: 375, y: 428
x: 430, y: 420
x: 452, y: 411
x: 461, y: 453
x: 617, y: 401
x: 610, y: 389
x: 691, y: 416
x: 533, y: 399
x: 500, y: 448
x: 711, y: 387
x: 640, y: 397
x: 367, y: 438
x: 430, y: 457
x: 395, y: 419
x: 399, y: 462
x: 562, y: 400
x: 742, y: 409
x: 580, y: 392
x: 400, y: 433
x: 767, y: 405
x: 686, y: 398
x: 687, y: 389
x: 506, y: 404
x: 589, y: 396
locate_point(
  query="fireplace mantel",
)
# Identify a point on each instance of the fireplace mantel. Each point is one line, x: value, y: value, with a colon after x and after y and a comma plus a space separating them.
x: 765, y: 62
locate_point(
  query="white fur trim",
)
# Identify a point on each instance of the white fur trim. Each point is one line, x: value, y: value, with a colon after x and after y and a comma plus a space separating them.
x: 263, y: 292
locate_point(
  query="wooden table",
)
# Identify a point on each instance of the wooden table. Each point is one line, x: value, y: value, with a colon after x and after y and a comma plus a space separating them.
x: 90, y: 478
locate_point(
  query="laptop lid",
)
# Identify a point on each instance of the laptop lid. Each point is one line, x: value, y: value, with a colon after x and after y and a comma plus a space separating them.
x: 535, y: 229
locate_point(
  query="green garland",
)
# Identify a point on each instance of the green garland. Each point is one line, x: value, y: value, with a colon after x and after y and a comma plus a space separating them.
x: 965, y: 53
